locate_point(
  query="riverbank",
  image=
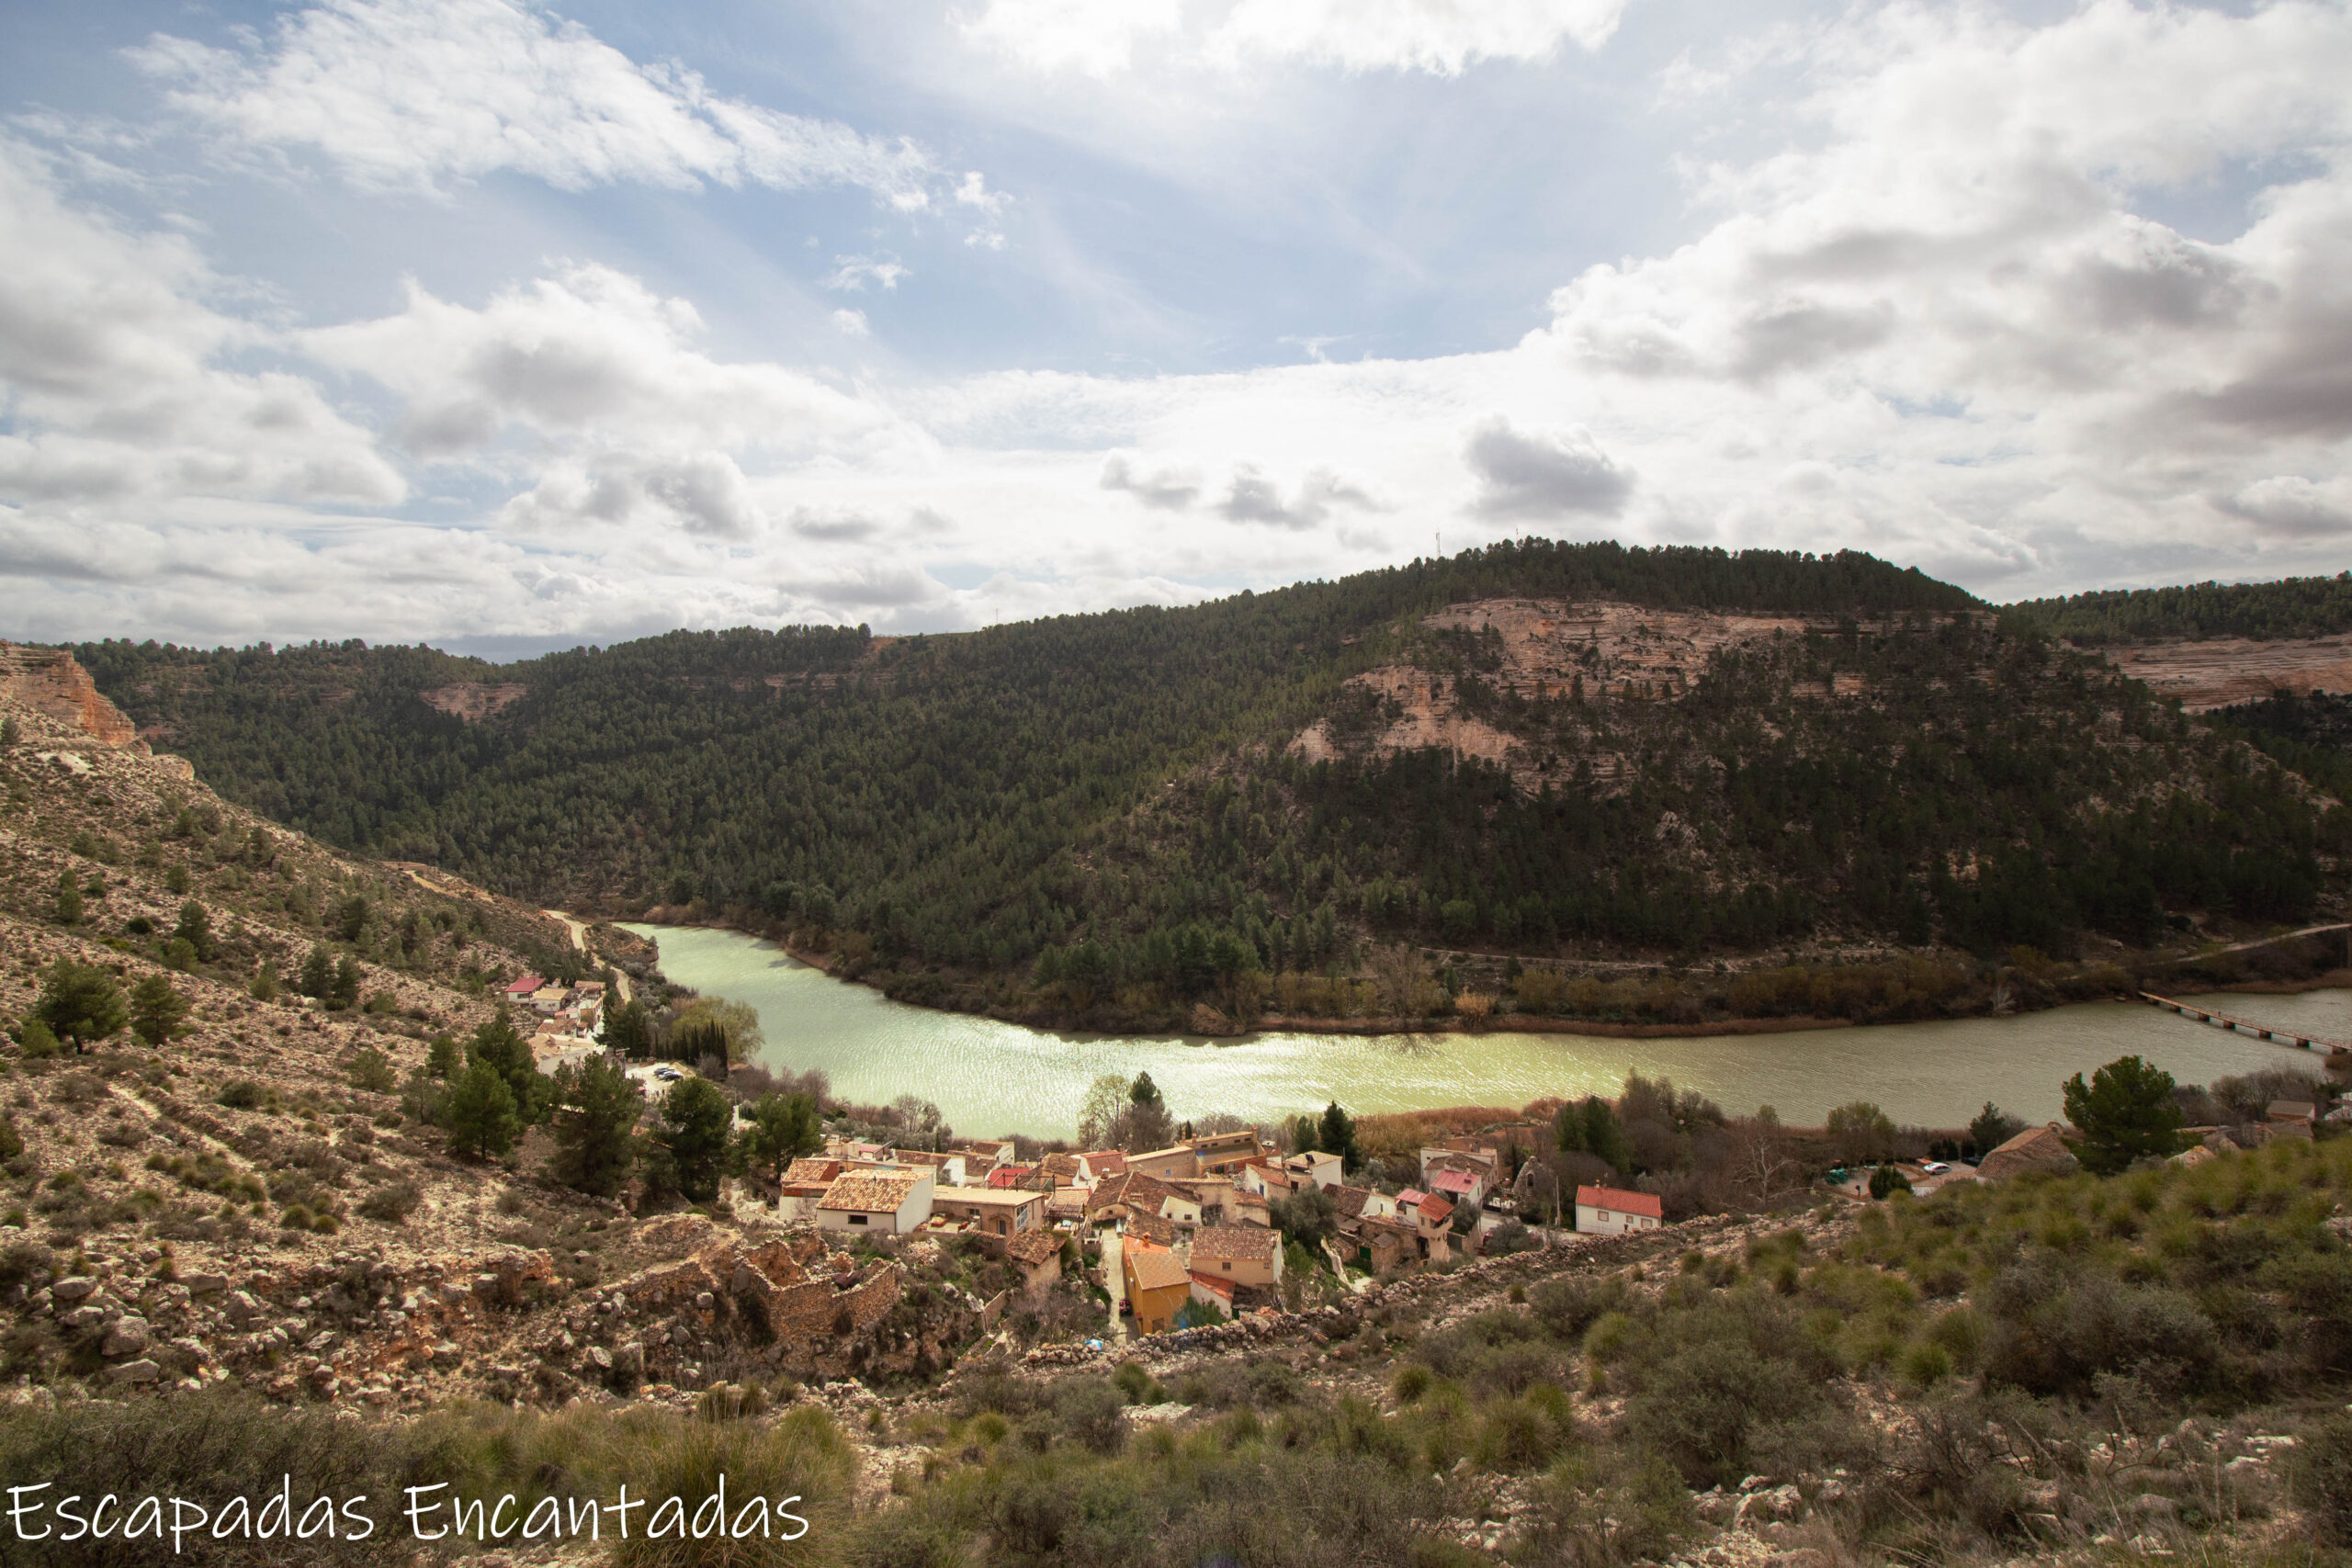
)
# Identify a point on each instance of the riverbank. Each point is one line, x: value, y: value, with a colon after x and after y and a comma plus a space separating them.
x: 1637, y: 1002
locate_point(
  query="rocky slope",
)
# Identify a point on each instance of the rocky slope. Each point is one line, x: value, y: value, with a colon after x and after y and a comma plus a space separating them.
x: 248, y: 1202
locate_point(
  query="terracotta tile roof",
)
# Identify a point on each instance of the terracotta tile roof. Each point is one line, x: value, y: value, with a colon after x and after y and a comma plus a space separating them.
x: 1062, y: 1167
x: 1435, y: 1210
x: 1350, y: 1201
x: 990, y: 1197
x: 1106, y: 1162
x: 1241, y: 1243
x: 1136, y: 1189
x: 1217, y: 1285
x: 1151, y: 1227
x: 1034, y: 1247
x: 1623, y: 1202
x: 802, y: 1172
x: 1156, y: 1270
x: 870, y: 1193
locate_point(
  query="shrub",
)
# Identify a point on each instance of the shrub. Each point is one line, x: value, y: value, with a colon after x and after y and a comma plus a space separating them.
x: 1566, y: 1308
x: 372, y: 1070
x: 2055, y: 1327
x: 393, y: 1202
x: 240, y: 1094
x: 1090, y: 1412
x: 2321, y: 1478
x: 1704, y: 1406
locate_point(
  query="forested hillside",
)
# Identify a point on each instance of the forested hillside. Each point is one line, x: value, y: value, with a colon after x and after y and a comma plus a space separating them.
x: 1126, y: 813
x: 2293, y: 607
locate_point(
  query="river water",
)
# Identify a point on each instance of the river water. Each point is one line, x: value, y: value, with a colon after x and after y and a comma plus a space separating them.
x: 993, y: 1078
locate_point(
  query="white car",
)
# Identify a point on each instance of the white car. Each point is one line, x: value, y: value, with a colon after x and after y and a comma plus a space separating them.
x: 1934, y: 1166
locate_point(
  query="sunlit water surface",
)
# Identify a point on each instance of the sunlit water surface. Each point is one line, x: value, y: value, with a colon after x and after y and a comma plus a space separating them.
x: 992, y: 1079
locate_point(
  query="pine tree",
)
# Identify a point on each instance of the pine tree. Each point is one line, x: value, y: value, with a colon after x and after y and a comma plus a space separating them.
x: 318, y: 972
x: 156, y: 1009
x: 345, y: 993
x: 480, y: 1114
x: 79, y: 1003
x: 785, y: 1127
x: 498, y: 1045
x: 596, y: 1110
x: 695, y: 1136
x: 195, y: 929
x: 2126, y: 1112
x: 69, y: 899
x: 441, y: 1055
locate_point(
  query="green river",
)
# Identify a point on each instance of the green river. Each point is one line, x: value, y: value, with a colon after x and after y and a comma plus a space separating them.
x: 993, y: 1078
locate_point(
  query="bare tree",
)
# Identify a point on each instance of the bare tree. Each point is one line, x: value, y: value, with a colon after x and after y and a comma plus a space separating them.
x: 1399, y: 974
x: 1760, y: 1165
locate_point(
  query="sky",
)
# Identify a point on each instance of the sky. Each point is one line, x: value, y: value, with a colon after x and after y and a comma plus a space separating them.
x: 509, y: 326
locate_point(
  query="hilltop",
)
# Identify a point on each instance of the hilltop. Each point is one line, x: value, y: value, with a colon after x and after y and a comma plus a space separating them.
x: 1573, y: 762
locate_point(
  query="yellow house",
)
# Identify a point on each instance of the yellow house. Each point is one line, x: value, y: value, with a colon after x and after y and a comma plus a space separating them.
x: 1157, y: 1288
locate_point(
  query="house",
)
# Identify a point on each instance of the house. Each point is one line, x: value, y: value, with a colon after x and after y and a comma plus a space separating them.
x: 1105, y: 1163
x: 1484, y: 1161
x: 519, y: 989
x: 997, y: 1213
x: 550, y: 998
x: 803, y: 1183
x: 1028, y: 1177
x: 947, y: 1169
x: 1385, y: 1245
x: 2036, y: 1148
x: 1249, y: 1209
x: 1363, y: 1204
x: 1219, y: 1152
x: 1269, y: 1179
x: 987, y: 1153
x: 1165, y: 1164
x: 877, y: 1203
x: 1313, y: 1169
x: 1067, y: 1170
x: 1612, y: 1211
x: 1460, y: 1186
x: 1037, y: 1259
x: 850, y: 1148
x: 1182, y: 1208
x: 1138, y: 1192
x: 1157, y: 1287
x: 1213, y: 1291
x: 1243, y: 1254
x: 1433, y: 1219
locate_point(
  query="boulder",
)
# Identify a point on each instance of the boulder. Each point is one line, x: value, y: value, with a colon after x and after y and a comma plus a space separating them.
x: 126, y: 1336
x: 205, y: 1284
x: 72, y: 1288
x: 141, y: 1370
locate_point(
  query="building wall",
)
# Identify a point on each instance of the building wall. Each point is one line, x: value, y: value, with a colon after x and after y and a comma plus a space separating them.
x: 1611, y: 1221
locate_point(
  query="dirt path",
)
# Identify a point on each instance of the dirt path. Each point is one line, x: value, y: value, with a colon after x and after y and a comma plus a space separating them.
x: 579, y: 930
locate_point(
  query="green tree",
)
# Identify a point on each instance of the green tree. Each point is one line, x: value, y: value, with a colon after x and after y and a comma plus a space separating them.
x: 318, y: 974
x: 1861, y: 1132
x: 500, y: 1046
x: 695, y: 1137
x: 737, y: 1026
x: 1303, y: 1132
x: 156, y: 1009
x: 345, y: 992
x: 69, y: 899
x: 480, y: 1114
x: 1991, y: 1128
x: 628, y: 1030
x: 594, y: 1124
x: 441, y: 1055
x: 1590, y: 1126
x: 1338, y: 1136
x: 351, y: 920
x: 2126, y: 1112
x: 9, y: 733
x: 785, y: 1127
x: 1886, y: 1180
x: 179, y: 955
x: 264, y: 987
x: 79, y: 1003
x: 1306, y: 1217
x: 196, y: 929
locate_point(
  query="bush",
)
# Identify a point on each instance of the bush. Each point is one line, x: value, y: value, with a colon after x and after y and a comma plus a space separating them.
x: 2321, y: 1478
x: 240, y: 1094
x: 1705, y: 1406
x: 393, y: 1202
x: 1567, y: 1307
x: 2055, y: 1327
x: 372, y: 1070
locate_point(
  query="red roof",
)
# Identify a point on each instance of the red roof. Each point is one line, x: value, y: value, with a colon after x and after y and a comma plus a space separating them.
x: 526, y: 985
x: 1216, y: 1285
x: 1457, y: 1181
x: 1624, y: 1202
x: 1435, y: 1208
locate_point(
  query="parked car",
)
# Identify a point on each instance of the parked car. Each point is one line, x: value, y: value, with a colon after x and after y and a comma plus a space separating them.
x: 1934, y: 1166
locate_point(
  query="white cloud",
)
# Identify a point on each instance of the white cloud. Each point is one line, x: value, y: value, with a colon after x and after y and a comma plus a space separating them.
x: 1442, y: 37
x: 853, y: 322
x: 856, y: 272
x: 114, y: 381
x: 416, y: 94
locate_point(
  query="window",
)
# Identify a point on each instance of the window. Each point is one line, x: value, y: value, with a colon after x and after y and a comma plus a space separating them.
x: 1226, y: 1267
x: 857, y: 1219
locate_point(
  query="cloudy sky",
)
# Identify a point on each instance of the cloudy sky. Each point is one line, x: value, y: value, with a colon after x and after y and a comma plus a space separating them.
x: 506, y: 326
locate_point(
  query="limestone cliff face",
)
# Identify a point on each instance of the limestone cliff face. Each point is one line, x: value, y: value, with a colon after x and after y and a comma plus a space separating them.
x: 50, y: 681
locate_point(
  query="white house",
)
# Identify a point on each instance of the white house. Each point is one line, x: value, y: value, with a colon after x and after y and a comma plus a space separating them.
x: 877, y: 1203
x: 1611, y: 1211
